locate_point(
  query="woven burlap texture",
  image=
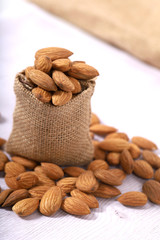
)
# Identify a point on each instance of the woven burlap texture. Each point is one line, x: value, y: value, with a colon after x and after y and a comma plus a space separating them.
x: 43, y: 132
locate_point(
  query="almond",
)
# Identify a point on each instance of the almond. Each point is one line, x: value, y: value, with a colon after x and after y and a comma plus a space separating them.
x: 27, y: 70
x: 39, y: 169
x: 102, y: 129
x: 44, y: 180
x: 38, y: 191
x: 62, y: 65
x: 86, y: 182
x: 27, y: 180
x: 67, y: 184
x: 89, y: 199
x: 144, y: 143
x: 133, y: 199
x: 151, y: 158
x: 118, y: 173
x: 53, y: 53
x: 30, y: 164
x: 97, y: 164
x: 98, y: 153
x: 11, y: 182
x: 113, y: 158
x: 2, y: 141
x: 118, y: 135
x: 42, y: 79
x: 134, y: 150
x: 62, y: 81
x: 4, y: 194
x: 73, y: 171
x: 60, y: 98
x: 3, y: 157
x: 75, y: 206
x: 126, y: 161
x: 114, y: 145
x: 43, y: 63
x: 52, y: 170
x: 106, y: 191
x: 15, y: 196
x: 51, y: 201
x: 82, y: 71
x: 13, y: 169
x: 94, y: 119
x: 107, y: 177
x: 143, y: 169
x: 77, y: 85
x: 152, y: 189
x: 42, y: 95
x: 157, y: 175
x: 26, y: 206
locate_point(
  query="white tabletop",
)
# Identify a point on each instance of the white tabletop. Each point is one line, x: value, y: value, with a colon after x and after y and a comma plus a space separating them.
x: 127, y: 96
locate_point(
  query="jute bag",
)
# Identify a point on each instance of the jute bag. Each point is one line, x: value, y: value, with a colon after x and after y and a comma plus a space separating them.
x: 43, y: 132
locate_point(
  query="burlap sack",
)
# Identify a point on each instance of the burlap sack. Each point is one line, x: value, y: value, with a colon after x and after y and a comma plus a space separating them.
x: 132, y: 25
x: 44, y: 132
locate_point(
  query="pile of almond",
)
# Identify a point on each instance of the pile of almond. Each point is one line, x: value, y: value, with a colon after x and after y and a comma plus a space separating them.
x: 54, y: 77
x: 48, y: 187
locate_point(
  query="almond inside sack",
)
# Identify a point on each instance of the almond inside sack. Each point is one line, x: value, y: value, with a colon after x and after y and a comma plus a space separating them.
x: 58, y: 134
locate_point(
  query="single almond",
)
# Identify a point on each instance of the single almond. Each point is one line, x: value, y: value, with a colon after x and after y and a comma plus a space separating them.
x: 106, y: 191
x: 27, y: 180
x: 98, y: 153
x: 126, y: 161
x: 4, y: 194
x: 27, y: 70
x: 62, y: 81
x: 52, y: 170
x: 113, y: 158
x: 114, y: 145
x: 42, y: 95
x: 67, y: 184
x: 73, y: 171
x: 117, y: 135
x: 51, y: 201
x: 107, y: 177
x: 60, y: 98
x: 53, y: 53
x: 82, y: 71
x: 157, y: 175
x: 42, y: 79
x: 3, y: 157
x: 151, y: 158
x: 89, y: 199
x: 38, y: 191
x: 133, y: 199
x: 2, y: 141
x: 152, y: 189
x: 77, y: 85
x: 86, y: 182
x: 144, y: 143
x: 94, y: 119
x: 26, y: 206
x: 13, y: 169
x: 15, y: 196
x: 143, y: 169
x: 102, y: 129
x: 27, y: 163
x: 134, y: 150
x: 119, y: 173
x: 62, y: 65
x: 43, y: 63
x: 44, y: 180
x: 11, y: 182
x: 98, y: 164
x: 75, y: 206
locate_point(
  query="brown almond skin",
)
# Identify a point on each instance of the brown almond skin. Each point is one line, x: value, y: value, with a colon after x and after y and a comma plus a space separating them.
x: 151, y: 158
x: 113, y: 158
x: 77, y: 85
x: 11, y: 182
x: 13, y: 169
x: 98, y: 164
x: 62, y: 65
x: 38, y: 191
x: 106, y: 191
x: 75, y: 206
x: 27, y: 180
x: 114, y: 145
x: 62, y: 81
x: 43, y: 63
x: 15, y: 196
x: 51, y: 201
x: 44, y: 180
x: 73, y: 171
x: 27, y: 163
x: 152, y: 189
x: 42, y: 95
x: 143, y: 169
x: 157, y: 175
x: 107, y: 177
x: 102, y: 129
x: 39, y: 169
x: 86, y: 182
x: 144, y: 143
x: 126, y: 161
x: 134, y: 150
x: 26, y: 207
x: 27, y: 70
x: 94, y: 119
x: 60, y: 98
x: 89, y: 199
x: 2, y: 165
x: 67, y: 184
x: 98, y: 153
x: 133, y: 199
x: 118, y: 135
x: 2, y: 141
x: 118, y: 173
x: 3, y: 157
x: 4, y: 194
x: 52, y: 170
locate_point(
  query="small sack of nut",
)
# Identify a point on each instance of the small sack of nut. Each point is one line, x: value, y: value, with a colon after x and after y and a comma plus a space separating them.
x: 52, y: 113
